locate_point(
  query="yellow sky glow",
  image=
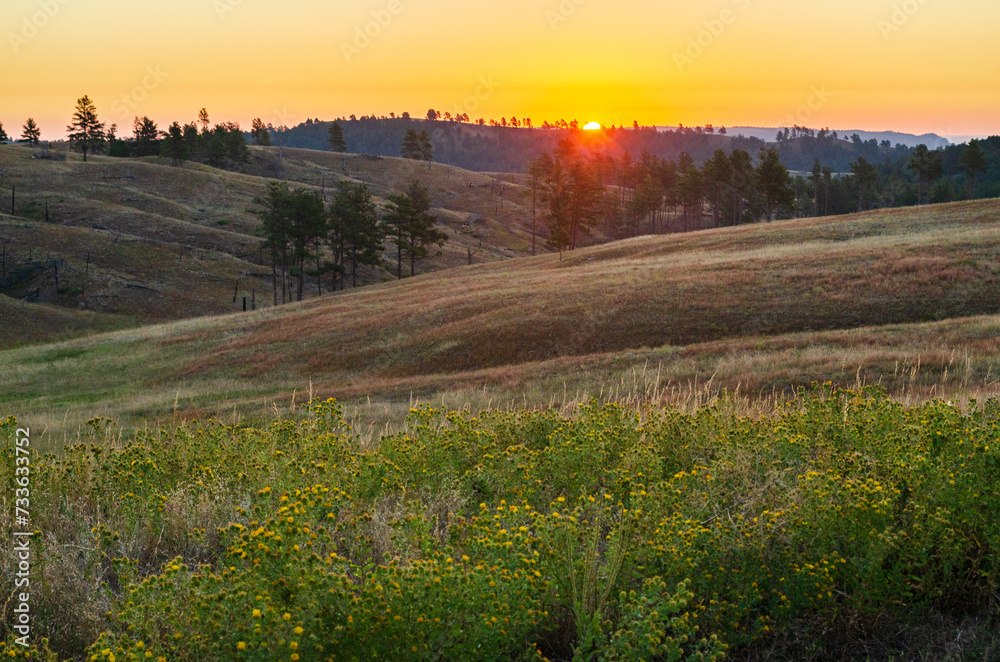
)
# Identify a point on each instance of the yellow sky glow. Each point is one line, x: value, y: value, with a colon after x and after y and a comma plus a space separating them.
x: 910, y: 65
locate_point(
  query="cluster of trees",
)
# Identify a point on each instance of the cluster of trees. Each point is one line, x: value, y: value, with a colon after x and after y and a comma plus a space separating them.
x: 796, y: 131
x: 576, y: 190
x: 221, y: 146
x: 336, y: 138
x: 925, y: 176
x: 307, y: 239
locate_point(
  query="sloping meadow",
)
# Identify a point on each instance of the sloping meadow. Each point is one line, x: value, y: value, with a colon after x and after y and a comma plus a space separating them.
x: 839, y: 521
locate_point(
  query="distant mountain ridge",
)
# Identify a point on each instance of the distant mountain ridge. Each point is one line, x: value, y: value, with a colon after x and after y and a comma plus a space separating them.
x: 932, y: 140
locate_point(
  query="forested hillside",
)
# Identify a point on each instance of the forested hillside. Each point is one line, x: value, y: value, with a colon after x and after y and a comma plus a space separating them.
x: 508, y: 148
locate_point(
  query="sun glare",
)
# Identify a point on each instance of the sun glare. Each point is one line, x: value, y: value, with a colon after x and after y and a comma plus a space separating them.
x: 593, y: 126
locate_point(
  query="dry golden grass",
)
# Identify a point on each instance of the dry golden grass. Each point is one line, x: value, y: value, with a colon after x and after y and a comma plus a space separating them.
x: 170, y: 243
x: 752, y: 311
x: 128, y: 279
x: 25, y: 322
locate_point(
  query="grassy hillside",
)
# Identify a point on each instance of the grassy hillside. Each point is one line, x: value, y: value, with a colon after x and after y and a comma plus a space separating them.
x: 905, y: 298
x: 23, y: 322
x: 167, y: 243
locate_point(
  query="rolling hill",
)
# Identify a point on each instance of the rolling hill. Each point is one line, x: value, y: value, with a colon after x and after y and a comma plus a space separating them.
x: 141, y: 240
x: 932, y: 140
x: 905, y: 298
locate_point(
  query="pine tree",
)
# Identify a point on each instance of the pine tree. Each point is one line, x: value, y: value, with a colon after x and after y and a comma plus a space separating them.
x: 774, y: 182
x: 259, y: 133
x: 411, y: 146
x: 865, y: 180
x: 145, y: 137
x: 971, y: 162
x: 308, y: 230
x: 928, y: 167
x: 412, y: 226
x: 690, y: 186
x: 356, y: 228
x: 744, y: 176
x: 337, y: 142
x: 558, y: 202
x: 538, y: 171
x: 426, y: 146
x: 3, y: 135
x: 718, y: 175
x: 816, y: 178
x: 174, y: 146
x: 30, y: 133
x: 273, y: 210
x: 587, y: 195
x: 86, y: 132
x: 194, y: 141
x: 827, y: 181
x: 117, y: 147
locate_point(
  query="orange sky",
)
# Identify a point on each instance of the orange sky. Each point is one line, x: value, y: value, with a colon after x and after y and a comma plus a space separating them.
x: 910, y: 65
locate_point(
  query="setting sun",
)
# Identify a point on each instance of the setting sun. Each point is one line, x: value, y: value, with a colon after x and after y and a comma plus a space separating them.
x: 593, y: 126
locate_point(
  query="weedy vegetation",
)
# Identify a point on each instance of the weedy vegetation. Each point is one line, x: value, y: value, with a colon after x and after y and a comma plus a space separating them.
x: 840, y: 525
